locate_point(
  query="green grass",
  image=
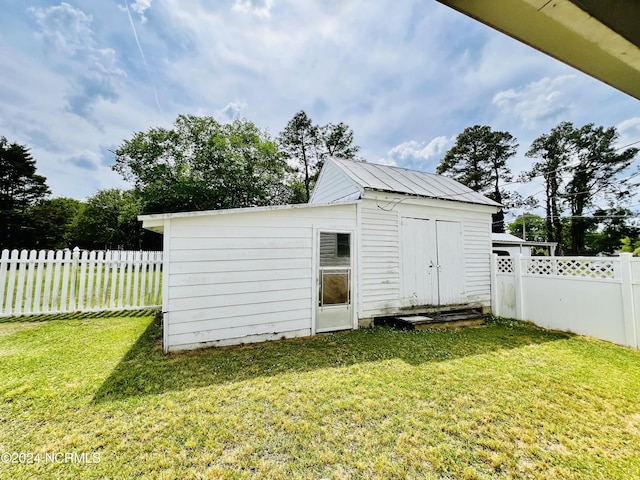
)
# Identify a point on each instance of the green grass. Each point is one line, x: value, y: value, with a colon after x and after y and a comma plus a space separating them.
x: 505, y: 401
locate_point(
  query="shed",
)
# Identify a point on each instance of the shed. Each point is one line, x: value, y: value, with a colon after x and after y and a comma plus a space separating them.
x: 373, y: 241
x: 509, y: 245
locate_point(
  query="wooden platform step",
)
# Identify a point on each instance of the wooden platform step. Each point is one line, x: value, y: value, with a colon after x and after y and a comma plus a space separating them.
x: 448, y: 320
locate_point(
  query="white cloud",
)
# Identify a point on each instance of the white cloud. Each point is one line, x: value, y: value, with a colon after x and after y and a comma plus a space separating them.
x: 249, y: 6
x: 141, y: 6
x: 230, y: 112
x: 413, y: 150
x: 392, y: 71
x: 630, y: 127
x: 629, y: 133
x: 541, y: 101
x: 92, y: 72
x: 65, y: 28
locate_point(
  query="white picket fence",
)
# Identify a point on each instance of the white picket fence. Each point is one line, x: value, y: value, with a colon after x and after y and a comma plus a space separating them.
x: 598, y: 297
x: 47, y: 281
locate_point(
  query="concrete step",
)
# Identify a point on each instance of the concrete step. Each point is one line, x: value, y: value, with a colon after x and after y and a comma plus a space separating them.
x: 448, y: 320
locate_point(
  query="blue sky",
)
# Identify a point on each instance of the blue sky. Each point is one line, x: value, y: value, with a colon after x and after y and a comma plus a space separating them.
x: 79, y: 77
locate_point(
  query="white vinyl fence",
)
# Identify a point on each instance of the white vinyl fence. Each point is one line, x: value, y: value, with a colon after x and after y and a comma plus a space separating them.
x: 48, y: 281
x: 598, y: 297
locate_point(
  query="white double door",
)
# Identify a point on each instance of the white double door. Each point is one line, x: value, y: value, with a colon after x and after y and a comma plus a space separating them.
x: 432, y: 262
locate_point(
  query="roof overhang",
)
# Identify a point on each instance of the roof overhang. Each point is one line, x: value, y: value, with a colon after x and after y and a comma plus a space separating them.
x: 599, y: 38
x: 156, y: 221
x: 494, y: 206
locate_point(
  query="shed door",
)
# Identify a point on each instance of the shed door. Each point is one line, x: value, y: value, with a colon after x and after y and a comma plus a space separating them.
x: 432, y: 262
x: 450, y: 263
x: 419, y: 260
x: 334, y: 304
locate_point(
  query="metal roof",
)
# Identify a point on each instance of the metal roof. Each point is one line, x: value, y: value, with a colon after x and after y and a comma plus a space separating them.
x: 401, y: 180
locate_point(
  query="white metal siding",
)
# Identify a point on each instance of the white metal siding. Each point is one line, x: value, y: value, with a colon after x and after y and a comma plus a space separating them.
x: 244, y: 277
x: 380, y: 265
x: 477, y: 254
x: 333, y: 186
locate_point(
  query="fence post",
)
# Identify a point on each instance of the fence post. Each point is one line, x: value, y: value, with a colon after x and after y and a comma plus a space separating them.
x: 75, y: 262
x: 628, y: 313
x: 494, y: 285
x: 517, y: 272
x: 4, y: 263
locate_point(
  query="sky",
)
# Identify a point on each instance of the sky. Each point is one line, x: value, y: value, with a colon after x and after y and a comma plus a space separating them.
x: 80, y: 77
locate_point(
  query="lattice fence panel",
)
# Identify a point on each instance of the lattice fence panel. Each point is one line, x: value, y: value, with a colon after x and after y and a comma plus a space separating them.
x: 505, y: 265
x: 571, y: 267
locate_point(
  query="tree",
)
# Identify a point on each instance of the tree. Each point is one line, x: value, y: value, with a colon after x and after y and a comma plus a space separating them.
x: 108, y: 220
x: 554, y: 151
x: 594, y: 176
x: 581, y: 169
x: 612, y: 226
x: 307, y: 146
x: 529, y: 226
x: 52, y: 222
x: 300, y: 141
x: 479, y: 161
x: 201, y: 164
x: 631, y: 246
x: 337, y: 141
x: 20, y: 189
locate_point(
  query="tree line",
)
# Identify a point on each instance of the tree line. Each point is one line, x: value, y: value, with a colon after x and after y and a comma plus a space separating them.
x: 586, y: 187
x: 201, y: 164
x: 198, y: 164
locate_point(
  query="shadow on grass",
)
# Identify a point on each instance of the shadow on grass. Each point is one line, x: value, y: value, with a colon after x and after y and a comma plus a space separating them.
x: 145, y: 369
x: 50, y: 317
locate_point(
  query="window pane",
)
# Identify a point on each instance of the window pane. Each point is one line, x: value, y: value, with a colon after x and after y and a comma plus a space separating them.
x: 335, y: 288
x: 335, y: 249
x: 344, y: 245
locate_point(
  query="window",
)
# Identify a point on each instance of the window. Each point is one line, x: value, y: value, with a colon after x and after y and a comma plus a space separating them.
x: 343, y: 245
x: 335, y: 249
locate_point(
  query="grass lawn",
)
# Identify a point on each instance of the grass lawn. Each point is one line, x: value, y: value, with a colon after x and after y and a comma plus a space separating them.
x: 96, y: 394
